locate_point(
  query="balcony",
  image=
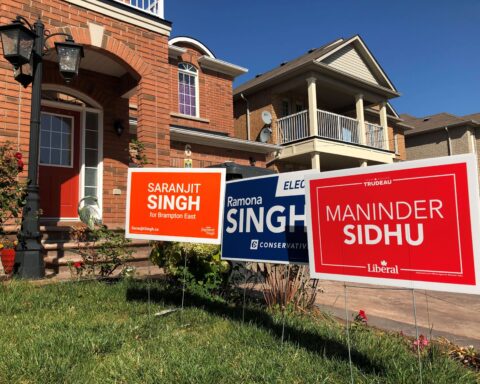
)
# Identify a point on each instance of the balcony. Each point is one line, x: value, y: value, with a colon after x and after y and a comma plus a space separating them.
x: 152, y: 7
x: 330, y: 126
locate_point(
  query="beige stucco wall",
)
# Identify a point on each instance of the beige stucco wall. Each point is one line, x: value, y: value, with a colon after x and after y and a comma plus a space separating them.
x: 431, y: 144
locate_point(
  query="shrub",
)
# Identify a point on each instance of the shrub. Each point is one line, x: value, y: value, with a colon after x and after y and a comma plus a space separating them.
x: 206, y: 273
x: 298, y: 290
x: 12, y: 190
x: 102, y: 250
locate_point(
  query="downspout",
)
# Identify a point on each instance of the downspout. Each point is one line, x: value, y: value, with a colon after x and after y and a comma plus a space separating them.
x: 248, y: 115
x: 449, y: 142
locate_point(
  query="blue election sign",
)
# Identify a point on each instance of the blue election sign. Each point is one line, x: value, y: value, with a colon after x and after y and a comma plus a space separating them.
x: 264, y: 219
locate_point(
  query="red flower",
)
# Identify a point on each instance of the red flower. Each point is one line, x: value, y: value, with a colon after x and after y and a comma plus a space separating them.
x: 18, y: 155
x: 421, y: 342
x: 20, y: 165
x: 361, y: 317
x: 78, y: 265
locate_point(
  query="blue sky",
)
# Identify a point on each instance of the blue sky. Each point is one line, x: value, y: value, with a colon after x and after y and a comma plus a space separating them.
x: 430, y: 49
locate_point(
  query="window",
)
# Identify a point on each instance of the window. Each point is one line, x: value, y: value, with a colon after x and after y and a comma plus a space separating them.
x: 91, y: 156
x: 188, y: 89
x: 285, y: 108
x: 56, y: 140
x: 298, y: 107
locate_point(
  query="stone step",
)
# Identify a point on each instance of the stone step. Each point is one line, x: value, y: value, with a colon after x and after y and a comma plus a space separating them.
x: 58, y: 258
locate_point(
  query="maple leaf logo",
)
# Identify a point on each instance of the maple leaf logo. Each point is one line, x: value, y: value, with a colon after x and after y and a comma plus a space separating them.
x: 383, y: 263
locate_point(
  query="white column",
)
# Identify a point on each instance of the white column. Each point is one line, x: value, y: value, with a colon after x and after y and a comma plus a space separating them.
x: 312, y: 106
x: 315, y: 157
x: 472, y: 148
x: 384, y: 124
x: 363, y: 163
x: 361, y: 118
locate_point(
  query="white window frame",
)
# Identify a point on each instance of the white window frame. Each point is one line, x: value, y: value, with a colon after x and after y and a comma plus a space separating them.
x: 195, y: 75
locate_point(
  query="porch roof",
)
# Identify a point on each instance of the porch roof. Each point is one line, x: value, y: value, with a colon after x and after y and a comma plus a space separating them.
x: 312, y: 60
x: 220, y: 140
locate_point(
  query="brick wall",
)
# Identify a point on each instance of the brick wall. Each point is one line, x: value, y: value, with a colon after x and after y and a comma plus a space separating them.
x: 215, y: 96
x: 259, y: 102
x: 203, y: 156
x: 143, y: 53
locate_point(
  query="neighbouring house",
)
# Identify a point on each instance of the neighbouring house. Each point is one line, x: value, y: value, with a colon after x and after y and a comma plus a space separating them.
x: 327, y: 109
x: 442, y: 134
x: 173, y: 95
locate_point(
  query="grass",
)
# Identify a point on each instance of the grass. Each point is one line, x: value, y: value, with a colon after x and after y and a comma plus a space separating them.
x: 94, y: 332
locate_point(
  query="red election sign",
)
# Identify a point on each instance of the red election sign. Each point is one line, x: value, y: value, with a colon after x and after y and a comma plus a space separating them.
x: 413, y: 224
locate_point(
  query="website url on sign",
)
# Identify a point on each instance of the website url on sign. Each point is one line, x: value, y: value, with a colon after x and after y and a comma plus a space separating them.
x: 147, y: 229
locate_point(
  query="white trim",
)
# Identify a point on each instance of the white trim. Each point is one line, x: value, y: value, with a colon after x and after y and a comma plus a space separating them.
x: 395, y: 114
x: 174, y: 51
x: 83, y: 110
x: 396, y: 148
x: 365, y: 51
x: 473, y: 194
x: 217, y: 240
x: 212, y: 140
x: 123, y: 15
x: 221, y: 66
x: 195, y: 75
x: 191, y: 41
x: 73, y: 92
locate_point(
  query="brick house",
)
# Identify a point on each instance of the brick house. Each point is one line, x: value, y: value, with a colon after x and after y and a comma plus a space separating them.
x: 329, y: 110
x: 173, y: 95
x: 442, y: 134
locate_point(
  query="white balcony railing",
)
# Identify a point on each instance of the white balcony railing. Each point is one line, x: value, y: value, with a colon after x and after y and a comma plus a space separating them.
x: 153, y: 7
x: 292, y: 127
x: 331, y: 126
x: 338, y: 127
x: 374, y: 136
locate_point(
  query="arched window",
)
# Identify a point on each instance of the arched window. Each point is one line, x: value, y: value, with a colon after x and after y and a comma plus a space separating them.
x: 188, y: 89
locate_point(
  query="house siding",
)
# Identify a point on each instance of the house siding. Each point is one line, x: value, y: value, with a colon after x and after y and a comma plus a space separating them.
x: 348, y: 60
x: 459, y: 138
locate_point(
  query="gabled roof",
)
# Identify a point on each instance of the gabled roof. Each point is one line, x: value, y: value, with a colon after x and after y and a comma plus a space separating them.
x: 356, y: 43
x: 437, y: 121
x: 473, y: 116
x: 323, y: 56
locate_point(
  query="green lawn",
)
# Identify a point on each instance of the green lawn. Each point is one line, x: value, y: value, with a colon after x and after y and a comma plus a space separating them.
x: 93, y: 332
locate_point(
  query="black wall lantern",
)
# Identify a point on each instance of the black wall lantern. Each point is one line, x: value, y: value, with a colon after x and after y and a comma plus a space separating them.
x: 24, y: 47
x: 118, y: 127
x: 17, y: 42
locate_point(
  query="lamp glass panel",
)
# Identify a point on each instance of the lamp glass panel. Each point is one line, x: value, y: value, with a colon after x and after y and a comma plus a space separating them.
x: 26, y: 45
x: 69, y: 58
x: 10, y: 41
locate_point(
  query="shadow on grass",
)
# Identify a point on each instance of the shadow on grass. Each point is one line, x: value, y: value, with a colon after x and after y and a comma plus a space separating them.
x: 311, y: 341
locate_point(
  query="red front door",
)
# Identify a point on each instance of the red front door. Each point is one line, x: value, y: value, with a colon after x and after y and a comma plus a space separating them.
x: 59, y: 167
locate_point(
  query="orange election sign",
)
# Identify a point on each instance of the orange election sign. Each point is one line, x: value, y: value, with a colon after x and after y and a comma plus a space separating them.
x: 175, y: 204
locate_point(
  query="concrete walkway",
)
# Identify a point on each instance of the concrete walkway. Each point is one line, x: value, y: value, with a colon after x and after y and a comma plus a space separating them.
x: 451, y: 315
